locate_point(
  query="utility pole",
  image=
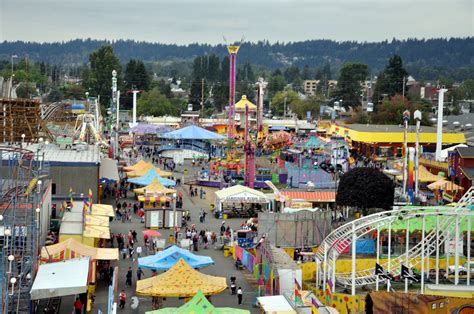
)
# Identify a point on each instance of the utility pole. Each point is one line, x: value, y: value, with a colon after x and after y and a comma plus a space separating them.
x: 439, y: 127
x: 403, y: 87
x: 202, y: 94
x: 134, y: 109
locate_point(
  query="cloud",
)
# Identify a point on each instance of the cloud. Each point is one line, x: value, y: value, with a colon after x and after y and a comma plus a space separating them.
x: 208, y: 20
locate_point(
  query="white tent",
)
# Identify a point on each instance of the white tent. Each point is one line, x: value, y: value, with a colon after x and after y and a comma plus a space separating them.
x: 240, y: 194
x: 64, y: 278
x: 445, y: 152
x: 275, y: 304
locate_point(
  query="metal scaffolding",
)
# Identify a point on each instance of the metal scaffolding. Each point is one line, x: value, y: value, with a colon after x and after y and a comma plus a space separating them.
x: 22, y: 188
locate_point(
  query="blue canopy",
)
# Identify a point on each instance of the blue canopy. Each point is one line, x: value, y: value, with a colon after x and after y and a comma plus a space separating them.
x: 166, y: 259
x: 148, y: 179
x: 313, y: 142
x: 193, y: 132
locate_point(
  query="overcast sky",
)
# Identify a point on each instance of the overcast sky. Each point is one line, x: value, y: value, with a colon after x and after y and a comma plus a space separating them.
x: 177, y: 21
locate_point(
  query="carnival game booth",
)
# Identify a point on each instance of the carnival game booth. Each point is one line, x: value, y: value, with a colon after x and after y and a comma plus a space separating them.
x: 166, y: 259
x: 199, y: 304
x: 180, y: 281
x: 60, y: 279
x: 241, y: 201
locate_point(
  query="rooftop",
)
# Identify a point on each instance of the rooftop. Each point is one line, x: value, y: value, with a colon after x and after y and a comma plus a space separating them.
x: 80, y: 154
x: 466, y: 152
x: 281, y: 260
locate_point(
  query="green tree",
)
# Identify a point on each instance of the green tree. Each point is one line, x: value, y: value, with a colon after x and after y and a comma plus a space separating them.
x: 281, y: 99
x: 390, y: 81
x: 276, y: 83
x: 55, y: 94
x: 302, y: 106
x: 73, y: 91
x: 102, y: 62
x: 349, y: 85
x: 136, y: 75
x: 153, y: 103
x: 465, y: 91
x: 391, y: 111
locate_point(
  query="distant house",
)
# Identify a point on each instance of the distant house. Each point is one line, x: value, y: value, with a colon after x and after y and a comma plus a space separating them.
x: 461, y: 166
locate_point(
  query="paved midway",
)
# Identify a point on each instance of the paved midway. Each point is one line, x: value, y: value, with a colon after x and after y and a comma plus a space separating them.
x: 224, y: 266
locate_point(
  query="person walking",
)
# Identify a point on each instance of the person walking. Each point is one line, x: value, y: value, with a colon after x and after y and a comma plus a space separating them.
x: 139, y: 273
x: 128, y: 281
x: 77, y: 306
x: 233, y: 286
x: 123, y: 298
x: 239, y: 295
x: 139, y: 251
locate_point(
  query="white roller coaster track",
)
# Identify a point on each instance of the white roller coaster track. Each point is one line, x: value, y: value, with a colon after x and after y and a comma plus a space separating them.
x: 341, y: 238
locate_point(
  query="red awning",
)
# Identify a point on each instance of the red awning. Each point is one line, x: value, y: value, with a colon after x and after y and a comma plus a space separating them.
x: 317, y: 196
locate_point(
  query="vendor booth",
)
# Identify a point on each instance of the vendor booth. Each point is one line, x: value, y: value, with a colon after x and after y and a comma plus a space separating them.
x: 61, y: 279
x: 181, y: 280
x: 166, y: 259
x: 156, y: 217
x: 241, y: 201
x: 149, y: 177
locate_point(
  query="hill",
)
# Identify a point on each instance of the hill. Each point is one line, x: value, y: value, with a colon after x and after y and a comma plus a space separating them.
x: 425, y: 59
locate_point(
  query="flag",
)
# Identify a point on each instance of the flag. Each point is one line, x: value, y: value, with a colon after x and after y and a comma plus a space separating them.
x: 64, y: 204
x: 90, y: 200
x: 298, y: 297
x: 314, y: 306
x: 406, y: 274
x: 328, y: 291
x: 379, y: 271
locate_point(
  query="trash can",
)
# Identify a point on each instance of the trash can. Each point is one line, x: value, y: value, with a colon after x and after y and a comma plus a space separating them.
x: 225, y: 216
x: 357, y: 215
x: 226, y: 251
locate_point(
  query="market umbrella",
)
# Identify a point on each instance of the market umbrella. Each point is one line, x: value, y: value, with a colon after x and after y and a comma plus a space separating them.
x: 166, y: 259
x: 151, y: 233
x: 198, y: 304
x: 181, y: 280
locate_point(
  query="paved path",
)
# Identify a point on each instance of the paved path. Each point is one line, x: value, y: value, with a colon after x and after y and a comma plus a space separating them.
x: 224, y: 266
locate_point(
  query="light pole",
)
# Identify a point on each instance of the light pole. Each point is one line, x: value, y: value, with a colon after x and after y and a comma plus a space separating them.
x: 175, y: 224
x: 417, y: 116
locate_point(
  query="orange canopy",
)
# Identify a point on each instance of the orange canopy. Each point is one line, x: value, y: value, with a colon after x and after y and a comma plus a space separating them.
x: 137, y: 166
x: 72, y: 249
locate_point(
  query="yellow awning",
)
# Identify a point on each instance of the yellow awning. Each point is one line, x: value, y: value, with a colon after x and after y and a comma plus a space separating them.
x: 102, y: 210
x: 181, y: 280
x: 72, y: 249
x: 444, y: 185
x: 96, y: 232
x: 92, y: 220
x: 137, y: 166
x: 143, y: 171
x: 424, y: 176
x: 155, y: 187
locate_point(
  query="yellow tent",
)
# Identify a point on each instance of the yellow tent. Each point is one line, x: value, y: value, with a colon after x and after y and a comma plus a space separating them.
x: 92, y: 220
x: 72, y: 249
x: 97, y: 232
x: 137, y: 166
x: 143, y: 171
x: 154, y: 187
x: 240, y: 105
x: 444, y: 185
x: 181, y: 280
x: 102, y: 210
x: 424, y: 176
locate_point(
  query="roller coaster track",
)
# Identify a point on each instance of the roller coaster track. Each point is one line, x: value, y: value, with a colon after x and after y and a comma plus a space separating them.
x: 341, y: 238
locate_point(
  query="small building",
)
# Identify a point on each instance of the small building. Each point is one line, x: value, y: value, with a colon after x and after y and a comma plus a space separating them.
x: 461, y: 166
x: 388, y: 140
x: 310, y: 87
x: 75, y: 169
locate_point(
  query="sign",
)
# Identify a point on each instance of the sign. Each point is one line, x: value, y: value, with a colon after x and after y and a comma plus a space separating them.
x: 448, y: 197
x: 450, y: 246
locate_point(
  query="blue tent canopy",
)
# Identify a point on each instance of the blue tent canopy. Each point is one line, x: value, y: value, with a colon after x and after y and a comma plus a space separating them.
x: 166, y: 259
x: 313, y: 142
x: 193, y: 132
x: 148, y: 179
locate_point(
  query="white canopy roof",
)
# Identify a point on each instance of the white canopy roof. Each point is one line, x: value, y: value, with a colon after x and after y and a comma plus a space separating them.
x: 241, y: 194
x: 68, y: 277
x: 108, y: 169
x: 275, y: 304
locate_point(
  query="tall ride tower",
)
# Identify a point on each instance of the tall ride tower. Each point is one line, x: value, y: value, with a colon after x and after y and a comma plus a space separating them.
x: 233, y: 49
